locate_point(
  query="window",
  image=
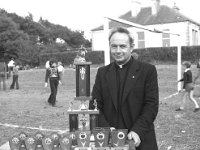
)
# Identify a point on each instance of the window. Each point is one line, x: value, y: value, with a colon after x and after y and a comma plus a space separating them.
x: 141, y: 40
x: 194, y: 37
x: 166, y: 38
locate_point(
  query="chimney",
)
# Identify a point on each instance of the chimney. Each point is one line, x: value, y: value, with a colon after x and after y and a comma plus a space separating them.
x: 155, y: 6
x: 135, y: 7
x: 175, y: 7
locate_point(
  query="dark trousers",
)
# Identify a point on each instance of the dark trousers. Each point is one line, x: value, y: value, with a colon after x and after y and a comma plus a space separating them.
x: 15, y: 81
x: 10, y: 69
x: 54, y: 87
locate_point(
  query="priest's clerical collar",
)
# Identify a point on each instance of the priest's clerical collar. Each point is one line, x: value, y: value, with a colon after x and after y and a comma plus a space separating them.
x: 123, y: 65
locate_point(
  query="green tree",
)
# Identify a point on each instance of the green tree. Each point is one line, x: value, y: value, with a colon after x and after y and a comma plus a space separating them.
x: 11, y: 38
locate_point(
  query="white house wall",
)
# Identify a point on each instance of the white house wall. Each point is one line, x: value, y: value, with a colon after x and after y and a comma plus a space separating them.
x: 98, y: 40
x: 193, y: 27
x: 155, y: 39
x: 178, y: 28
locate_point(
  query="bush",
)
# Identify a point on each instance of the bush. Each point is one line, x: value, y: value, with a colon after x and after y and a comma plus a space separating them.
x: 168, y: 54
x: 67, y: 57
x: 151, y: 55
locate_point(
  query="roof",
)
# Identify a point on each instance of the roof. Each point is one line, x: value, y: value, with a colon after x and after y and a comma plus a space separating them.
x: 165, y: 15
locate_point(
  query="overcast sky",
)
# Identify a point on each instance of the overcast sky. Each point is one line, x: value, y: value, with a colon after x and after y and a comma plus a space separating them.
x: 87, y: 14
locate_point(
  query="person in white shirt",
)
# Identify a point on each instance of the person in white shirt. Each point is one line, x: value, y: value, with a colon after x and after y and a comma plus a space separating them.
x: 60, y: 69
x: 11, y: 64
x: 47, y: 64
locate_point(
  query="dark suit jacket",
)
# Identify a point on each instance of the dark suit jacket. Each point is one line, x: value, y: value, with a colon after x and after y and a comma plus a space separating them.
x: 139, y: 101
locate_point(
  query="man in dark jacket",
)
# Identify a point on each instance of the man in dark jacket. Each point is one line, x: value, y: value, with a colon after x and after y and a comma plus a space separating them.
x: 126, y: 92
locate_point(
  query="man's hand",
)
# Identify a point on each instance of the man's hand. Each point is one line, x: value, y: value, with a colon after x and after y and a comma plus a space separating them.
x: 60, y: 82
x: 135, y: 137
x: 112, y: 128
x: 45, y: 85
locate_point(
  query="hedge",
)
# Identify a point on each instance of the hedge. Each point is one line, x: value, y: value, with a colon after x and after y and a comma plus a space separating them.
x: 67, y: 57
x: 152, y: 55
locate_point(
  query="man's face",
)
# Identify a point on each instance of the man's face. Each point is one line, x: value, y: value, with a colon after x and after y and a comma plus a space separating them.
x: 120, y: 47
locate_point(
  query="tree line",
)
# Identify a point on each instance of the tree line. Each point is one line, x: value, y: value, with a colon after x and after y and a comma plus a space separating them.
x: 24, y: 39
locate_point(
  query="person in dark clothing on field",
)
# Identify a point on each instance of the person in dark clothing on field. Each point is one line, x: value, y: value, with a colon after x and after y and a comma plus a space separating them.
x: 188, y: 87
x: 54, y: 79
x: 3, y: 75
x: 15, y: 77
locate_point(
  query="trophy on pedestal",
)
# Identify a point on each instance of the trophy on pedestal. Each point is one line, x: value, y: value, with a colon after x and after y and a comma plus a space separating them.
x: 82, y: 116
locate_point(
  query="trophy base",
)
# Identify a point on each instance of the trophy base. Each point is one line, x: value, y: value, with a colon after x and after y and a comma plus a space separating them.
x: 101, y: 148
x: 86, y: 111
x: 120, y: 148
x: 83, y: 148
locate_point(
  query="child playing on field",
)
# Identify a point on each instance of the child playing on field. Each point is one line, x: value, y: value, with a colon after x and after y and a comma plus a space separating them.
x: 3, y: 75
x: 188, y: 87
x: 54, y: 79
x: 15, y: 77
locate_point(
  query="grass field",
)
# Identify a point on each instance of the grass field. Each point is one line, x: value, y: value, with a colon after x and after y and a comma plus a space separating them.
x: 27, y: 107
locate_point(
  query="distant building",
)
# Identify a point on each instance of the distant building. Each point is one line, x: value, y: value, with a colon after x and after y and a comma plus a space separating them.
x: 157, y: 16
x: 59, y: 40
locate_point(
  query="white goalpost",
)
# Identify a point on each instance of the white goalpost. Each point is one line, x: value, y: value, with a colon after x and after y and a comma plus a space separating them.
x: 106, y: 42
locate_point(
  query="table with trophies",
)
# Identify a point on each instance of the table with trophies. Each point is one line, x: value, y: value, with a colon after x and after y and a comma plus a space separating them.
x: 84, y: 133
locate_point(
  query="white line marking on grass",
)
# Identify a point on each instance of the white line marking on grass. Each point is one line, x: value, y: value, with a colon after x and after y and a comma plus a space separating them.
x: 172, y: 95
x: 64, y: 131
x: 33, y: 128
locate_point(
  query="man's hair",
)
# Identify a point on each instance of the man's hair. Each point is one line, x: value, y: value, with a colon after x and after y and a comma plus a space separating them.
x: 121, y: 30
x: 187, y: 64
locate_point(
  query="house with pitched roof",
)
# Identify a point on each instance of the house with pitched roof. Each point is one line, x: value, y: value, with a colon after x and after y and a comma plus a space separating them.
x: 157, y: 16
